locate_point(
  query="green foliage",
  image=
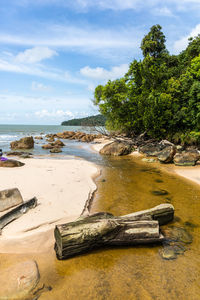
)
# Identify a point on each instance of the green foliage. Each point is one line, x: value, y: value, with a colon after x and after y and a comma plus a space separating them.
x: 97, y: 120
x: 153, y: 44
x: 159, y: 94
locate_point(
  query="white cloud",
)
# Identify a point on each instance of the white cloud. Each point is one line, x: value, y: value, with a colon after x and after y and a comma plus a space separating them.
x: 162, y: 11
x: 37, y: 86
x: 10, y: 65
x: 103, y: 74
x: 54, y: 114
x: 70, y: 37
x: 183, y: 42
x: 35, y: 55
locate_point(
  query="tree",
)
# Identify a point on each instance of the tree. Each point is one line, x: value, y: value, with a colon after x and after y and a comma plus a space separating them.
x: 153, y: 44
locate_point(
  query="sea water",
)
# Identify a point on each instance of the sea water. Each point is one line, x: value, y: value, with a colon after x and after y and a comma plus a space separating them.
x: 72, y: 148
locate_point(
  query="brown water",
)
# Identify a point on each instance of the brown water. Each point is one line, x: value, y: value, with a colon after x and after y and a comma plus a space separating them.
x: 137, y: 273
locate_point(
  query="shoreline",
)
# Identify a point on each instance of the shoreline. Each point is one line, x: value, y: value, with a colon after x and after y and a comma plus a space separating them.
x: 63, y: 189
x: 189, y: 173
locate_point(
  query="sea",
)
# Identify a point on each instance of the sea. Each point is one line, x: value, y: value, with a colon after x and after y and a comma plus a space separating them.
x: 72, y: 148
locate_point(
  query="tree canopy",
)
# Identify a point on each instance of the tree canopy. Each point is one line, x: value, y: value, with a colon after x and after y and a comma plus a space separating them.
x: 159, y: 94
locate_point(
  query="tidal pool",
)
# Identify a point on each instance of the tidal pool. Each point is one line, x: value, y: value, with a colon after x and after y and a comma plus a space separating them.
x: 136, y: 273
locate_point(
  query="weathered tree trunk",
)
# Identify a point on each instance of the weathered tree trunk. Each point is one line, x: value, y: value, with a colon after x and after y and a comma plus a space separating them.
x: 103, y: 229
x: 16, y: 212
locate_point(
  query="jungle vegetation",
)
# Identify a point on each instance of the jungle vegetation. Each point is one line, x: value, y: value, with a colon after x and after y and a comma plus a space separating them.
x: 159, y: 95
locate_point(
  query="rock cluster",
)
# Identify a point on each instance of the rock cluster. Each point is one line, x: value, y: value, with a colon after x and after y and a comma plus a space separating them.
x: 166, y: 152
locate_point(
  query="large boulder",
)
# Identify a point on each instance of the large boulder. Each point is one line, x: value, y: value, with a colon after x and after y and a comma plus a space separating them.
x: 11, y: 163
x: 152, y: 149
x: 187, y: 158
x: 24, y: 143
x: 10, y: 198
x: 116, y: 149
x: 166, y: 155
x: 18, y: 281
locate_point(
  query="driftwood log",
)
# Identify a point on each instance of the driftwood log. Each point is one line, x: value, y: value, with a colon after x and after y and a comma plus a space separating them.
x: 16, y: 212
x: 103, y: 229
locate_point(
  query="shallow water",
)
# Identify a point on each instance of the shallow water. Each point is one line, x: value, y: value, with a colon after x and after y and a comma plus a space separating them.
x: 127, y: 185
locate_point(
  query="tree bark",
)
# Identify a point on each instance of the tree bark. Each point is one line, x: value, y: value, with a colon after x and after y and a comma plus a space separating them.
x: 103, y: 229
x: 17, y: 212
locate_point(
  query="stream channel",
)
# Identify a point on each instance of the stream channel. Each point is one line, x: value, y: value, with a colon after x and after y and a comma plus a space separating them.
x: 128, y: 184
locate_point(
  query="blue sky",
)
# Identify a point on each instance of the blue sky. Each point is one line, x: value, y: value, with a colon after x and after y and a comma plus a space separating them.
x: 54, y: 52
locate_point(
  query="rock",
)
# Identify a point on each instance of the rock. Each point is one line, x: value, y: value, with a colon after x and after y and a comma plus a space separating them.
x: 18, y: 153
x: 149, y: 160
x: 160, y: 192
x: 116, y: 149
x: 178, y: 234
x: 19, y: 280
x: 38, y: 138
x: 58, y: 143
x: 47, y: 146
x: 24, y: 143
x: 51, y: 139
x: 55, y: 150
x: 65, y: 134
x: 10, y: 198
x: 11, y: 163
x: 186, y: 158
x: 25, y: 156
x: 168, y: 253
x: 166, y: 155
x: 151, y: 149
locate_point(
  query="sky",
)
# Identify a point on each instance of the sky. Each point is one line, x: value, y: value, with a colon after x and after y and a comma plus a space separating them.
x: 53, y: 53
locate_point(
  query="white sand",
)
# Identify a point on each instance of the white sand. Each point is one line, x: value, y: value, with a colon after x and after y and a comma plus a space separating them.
x: 62, y: 188
x: 191, y: 173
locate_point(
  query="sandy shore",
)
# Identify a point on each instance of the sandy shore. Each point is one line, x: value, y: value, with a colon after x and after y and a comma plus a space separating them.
x: 62, y: 188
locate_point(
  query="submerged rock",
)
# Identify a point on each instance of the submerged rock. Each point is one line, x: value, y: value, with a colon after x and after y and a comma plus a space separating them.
x: 24, y: 143
x: 168, y: 253
x: 19, y: 280
x: 186, y: 158
x: 55, y: 150
x: 160, y: 192
x: 116, y: 149
x: 47, y: 146
x: 18, y: 153
x: 149, y: 160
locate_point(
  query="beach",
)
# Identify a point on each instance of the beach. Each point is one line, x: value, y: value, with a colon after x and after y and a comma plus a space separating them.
x: 62, y: 188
